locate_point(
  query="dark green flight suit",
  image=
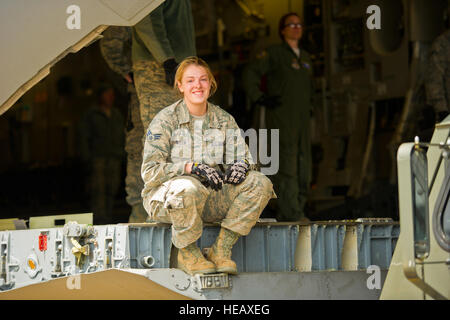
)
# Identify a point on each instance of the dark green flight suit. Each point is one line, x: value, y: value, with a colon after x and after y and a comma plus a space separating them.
x: 290, y: 78
x: 101, y: 139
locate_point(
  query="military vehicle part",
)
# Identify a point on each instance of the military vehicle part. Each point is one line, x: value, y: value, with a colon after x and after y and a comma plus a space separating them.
x: 419, y: 268
x: 283, y: 249
x: 441, y: 214
x: 212, y: 281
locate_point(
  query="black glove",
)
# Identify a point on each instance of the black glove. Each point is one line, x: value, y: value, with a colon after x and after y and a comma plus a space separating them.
x: 237, y: 172
x: 170, y: 67
x: 441, y: 116
x: 214, y: 178
x: 270, y: 102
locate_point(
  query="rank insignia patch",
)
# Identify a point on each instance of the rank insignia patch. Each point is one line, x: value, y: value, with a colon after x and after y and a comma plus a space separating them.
x: 153, y: 137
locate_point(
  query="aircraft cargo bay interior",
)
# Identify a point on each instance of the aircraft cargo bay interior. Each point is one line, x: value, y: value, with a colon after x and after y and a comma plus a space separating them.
x: 290, y: 136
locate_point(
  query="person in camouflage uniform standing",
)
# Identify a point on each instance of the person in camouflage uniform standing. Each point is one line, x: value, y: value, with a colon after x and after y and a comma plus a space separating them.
x: 115, y: 47
x: 288, y: 105
x: 161, y: 40
x: 438, y: 76
x: 197, y: 168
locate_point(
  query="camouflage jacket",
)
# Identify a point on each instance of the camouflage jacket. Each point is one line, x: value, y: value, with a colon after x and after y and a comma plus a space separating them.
x: 115, y: 47
x: 175, y: 138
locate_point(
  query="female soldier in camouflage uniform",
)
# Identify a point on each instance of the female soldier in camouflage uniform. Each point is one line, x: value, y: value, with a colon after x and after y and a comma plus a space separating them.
x: 197, y: 168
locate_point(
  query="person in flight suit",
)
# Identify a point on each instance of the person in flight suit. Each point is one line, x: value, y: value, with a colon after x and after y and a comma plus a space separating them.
x: 101, y: 138
x: 197, y: 168
x: 159, y: 42
x: 288, y: 104
x: 115, y: 47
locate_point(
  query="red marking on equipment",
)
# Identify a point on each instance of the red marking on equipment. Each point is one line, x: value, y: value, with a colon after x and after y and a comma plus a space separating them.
x: 42, y: 242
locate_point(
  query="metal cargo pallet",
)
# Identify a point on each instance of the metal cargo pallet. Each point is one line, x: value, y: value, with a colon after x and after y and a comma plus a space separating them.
x: 34, y: 256
x: 346, y: 245
x: 281, y: 247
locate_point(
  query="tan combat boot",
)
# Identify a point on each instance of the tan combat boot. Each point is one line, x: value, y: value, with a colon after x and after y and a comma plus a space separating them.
x: 220, y: 252
x: 192, y: 261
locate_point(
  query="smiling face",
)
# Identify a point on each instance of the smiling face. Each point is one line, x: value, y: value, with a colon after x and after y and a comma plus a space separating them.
x: 292, y: 33
x: 195, y: 85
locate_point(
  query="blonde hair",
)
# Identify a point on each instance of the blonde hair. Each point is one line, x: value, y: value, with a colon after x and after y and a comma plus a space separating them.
x: 198, y: 62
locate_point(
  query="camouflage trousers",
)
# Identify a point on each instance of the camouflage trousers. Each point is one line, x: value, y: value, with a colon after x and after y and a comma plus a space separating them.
x: 104, y: 184
x: 153, y: 92
x: 186, y: 203
x: 133, y: 147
